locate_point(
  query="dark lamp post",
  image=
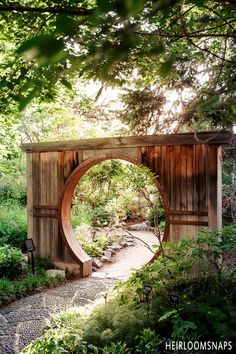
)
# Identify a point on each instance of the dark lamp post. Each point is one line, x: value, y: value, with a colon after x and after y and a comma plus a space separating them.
x: 31, y: 248
x: 174, y: 299
x: 147, y: 289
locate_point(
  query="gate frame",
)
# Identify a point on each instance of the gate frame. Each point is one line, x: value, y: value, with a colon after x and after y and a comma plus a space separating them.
x: 188, y: 169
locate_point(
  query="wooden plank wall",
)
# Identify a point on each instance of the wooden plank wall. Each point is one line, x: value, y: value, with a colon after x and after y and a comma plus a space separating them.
x: 47, y: 173
x: 189, y: 175
x: 182, y: 172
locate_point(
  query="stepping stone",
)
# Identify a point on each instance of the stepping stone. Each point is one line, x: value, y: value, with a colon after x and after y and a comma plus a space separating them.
x: 56, y: 272
x: 105, y: 259
x: 96, y: 263
x: 108, y: 254
x: 116, y: 247
x: 111, y: 250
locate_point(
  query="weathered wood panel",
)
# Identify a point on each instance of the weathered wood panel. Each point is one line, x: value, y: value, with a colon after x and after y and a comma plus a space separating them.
x: 214, y: 190
x: 188, y: 173
x: 181, y: 171
x: 218, y: 138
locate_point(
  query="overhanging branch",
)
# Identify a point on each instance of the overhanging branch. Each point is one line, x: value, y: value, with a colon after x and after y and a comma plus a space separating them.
x: 195, y: 34
x: 80, y: 11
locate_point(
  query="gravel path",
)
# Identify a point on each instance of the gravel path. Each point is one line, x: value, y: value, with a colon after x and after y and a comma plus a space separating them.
x: 24, y: 320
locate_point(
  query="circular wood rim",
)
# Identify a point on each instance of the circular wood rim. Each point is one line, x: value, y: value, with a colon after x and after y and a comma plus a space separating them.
x: 65, y: 224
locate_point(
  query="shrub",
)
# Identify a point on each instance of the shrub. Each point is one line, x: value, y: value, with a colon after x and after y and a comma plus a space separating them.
x: 93, y: 248
x: 161, y: 216
x: 185, y: 302
x: 13, y: 188
x: 44, y: 263
x: 13, y: 226
x: 10, y: 262
x: 81, y: 214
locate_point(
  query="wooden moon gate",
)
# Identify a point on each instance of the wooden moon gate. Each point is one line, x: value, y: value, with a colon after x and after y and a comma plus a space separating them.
x: 188, y: 170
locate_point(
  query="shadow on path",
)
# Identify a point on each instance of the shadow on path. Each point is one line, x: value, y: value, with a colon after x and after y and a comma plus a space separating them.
x: 24, y: 320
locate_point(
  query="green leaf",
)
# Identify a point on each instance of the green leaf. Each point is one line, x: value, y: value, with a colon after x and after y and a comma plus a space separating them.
x: 26, y: 99
x: 38, y: 46
x: 234, y: 107
x: 66, y: 25
x: 66, y: 83
x: 99, y: 93
x: 168, y: 314
x: 165, y: 68
x: 158, y: 49
x: 104, y: 5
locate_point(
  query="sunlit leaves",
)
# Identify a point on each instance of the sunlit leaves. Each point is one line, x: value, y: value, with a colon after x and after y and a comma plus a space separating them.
x: 124, y: 8
x: 165, y: 40
x: 45, y: 48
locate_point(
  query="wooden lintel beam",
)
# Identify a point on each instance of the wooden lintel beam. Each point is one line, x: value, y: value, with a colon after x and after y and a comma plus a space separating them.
x: 217, y: 138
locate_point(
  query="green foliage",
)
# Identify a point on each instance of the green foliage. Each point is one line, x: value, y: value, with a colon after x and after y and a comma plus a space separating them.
x: 148, y: 342
x: 29, y: 284
x: 12, y: 179
x: 160, y: 213
x: 12, y: 191
x: 113, y: 323
x: 229, y: 186
x: 142, y: 110
x: 10, y: 262
x: 216, y: 246
x: 44, y: 263
x: 111, y: 191
x: 93, y: 249
x: 161, y: 40
x: 116, y: 348
x: 13, y: 226
x: 131, y: 322
x: 81, y: 214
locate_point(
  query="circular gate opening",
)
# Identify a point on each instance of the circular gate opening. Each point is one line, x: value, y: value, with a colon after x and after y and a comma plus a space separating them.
x: 110, y: 205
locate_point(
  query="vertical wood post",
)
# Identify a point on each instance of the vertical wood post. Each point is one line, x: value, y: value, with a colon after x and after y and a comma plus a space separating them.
x: 30, y: 219
x: 214, y: 187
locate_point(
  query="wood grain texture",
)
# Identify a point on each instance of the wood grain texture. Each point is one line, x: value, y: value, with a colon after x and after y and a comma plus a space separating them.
x: 188, y: 175
x: 221, y: 137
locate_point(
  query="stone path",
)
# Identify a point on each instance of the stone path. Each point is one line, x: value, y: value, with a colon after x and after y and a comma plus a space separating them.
x: 24, y: 320
x: 130, y: 258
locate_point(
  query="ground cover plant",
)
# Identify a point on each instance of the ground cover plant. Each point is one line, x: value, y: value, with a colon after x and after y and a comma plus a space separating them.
x: 16, y: 277
x: 187, y: 295
x: 11, y: 290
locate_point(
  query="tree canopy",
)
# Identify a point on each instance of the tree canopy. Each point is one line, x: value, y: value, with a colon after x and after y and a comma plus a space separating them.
x: 178, y: 44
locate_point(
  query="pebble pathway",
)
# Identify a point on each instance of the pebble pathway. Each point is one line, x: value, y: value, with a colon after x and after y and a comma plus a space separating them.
x: 24, y: 320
